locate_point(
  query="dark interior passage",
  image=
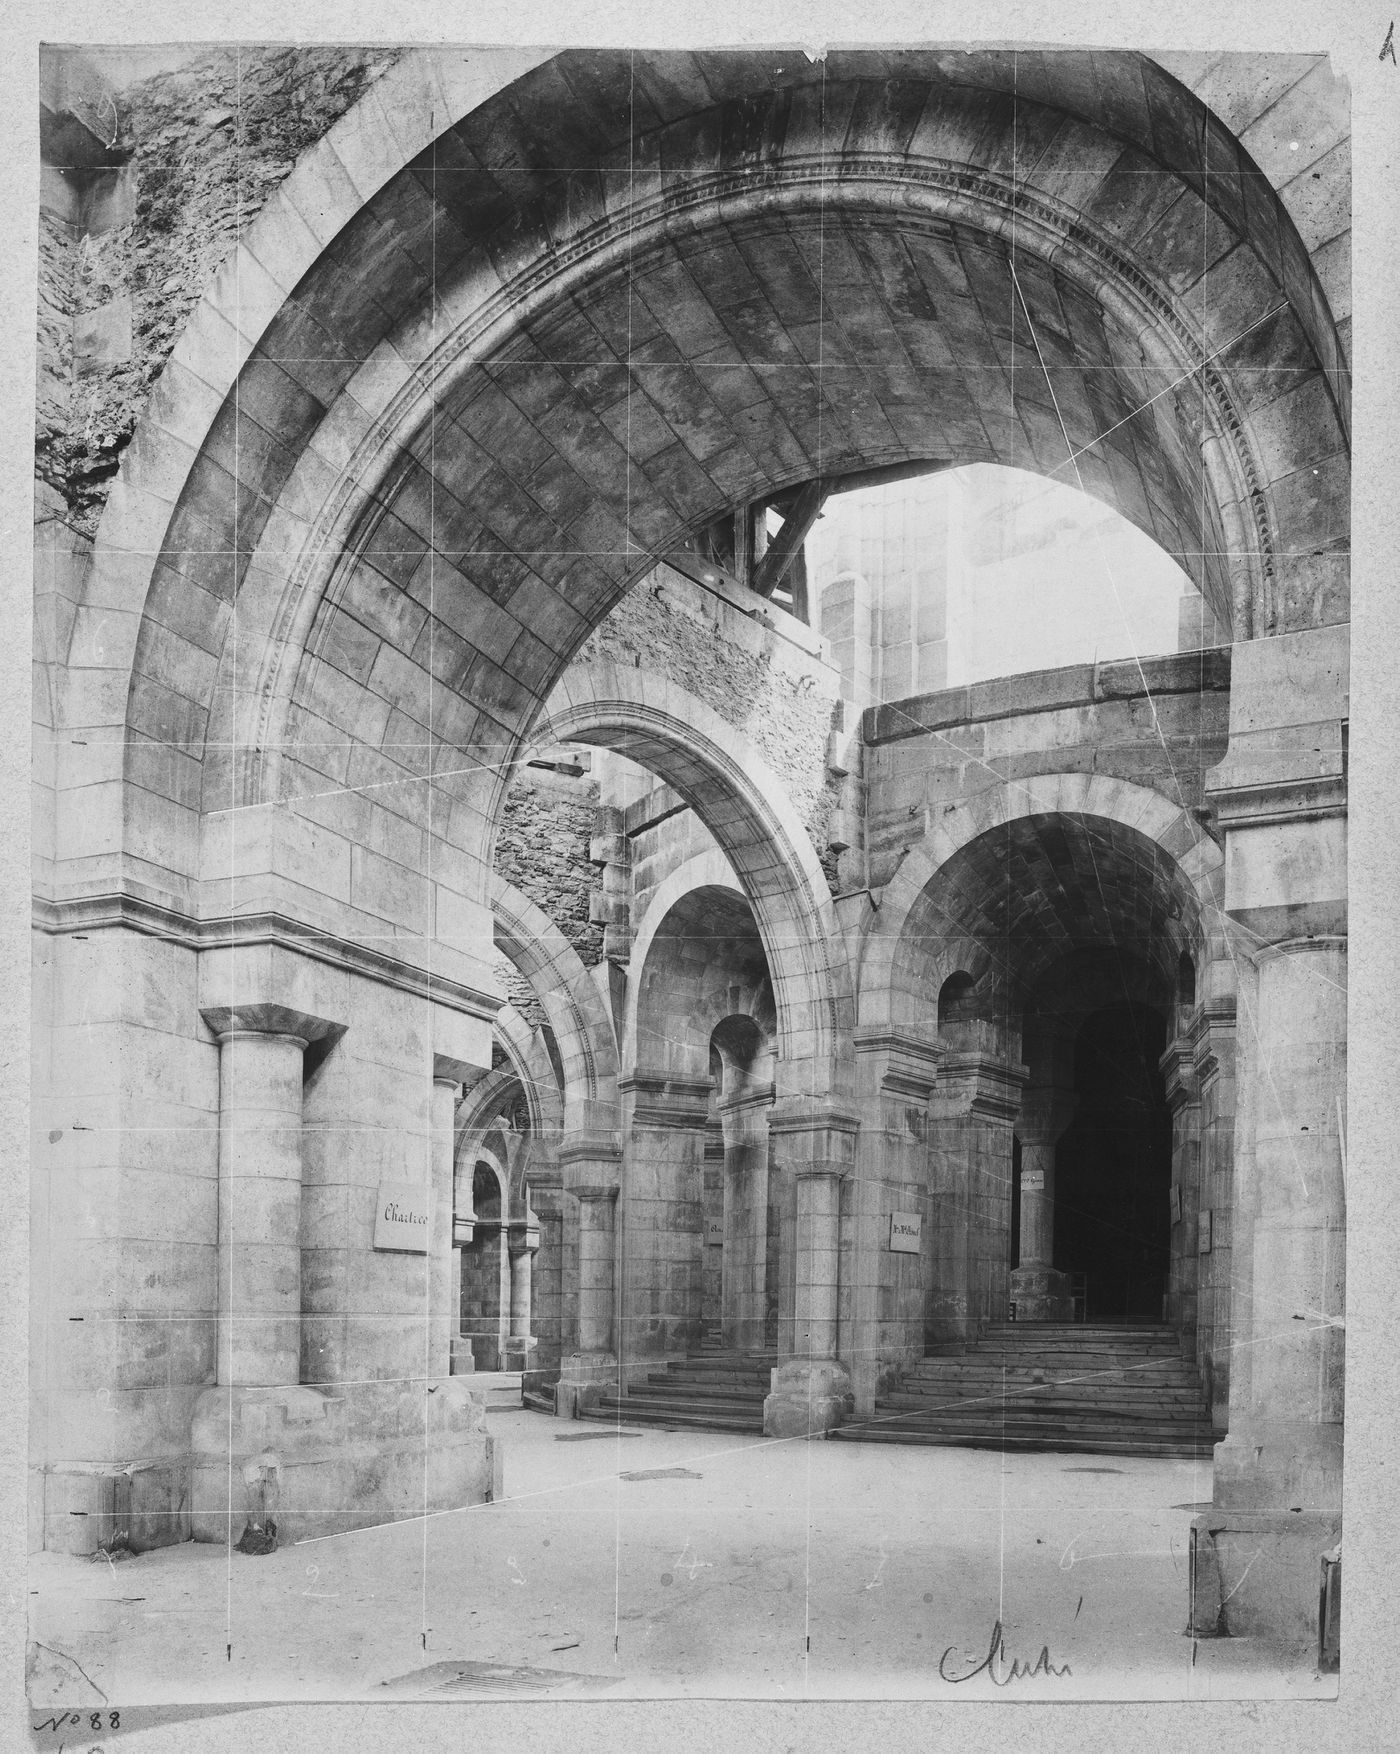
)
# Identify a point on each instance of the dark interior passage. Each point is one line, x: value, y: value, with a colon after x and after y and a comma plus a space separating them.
x: 1113, y: 1168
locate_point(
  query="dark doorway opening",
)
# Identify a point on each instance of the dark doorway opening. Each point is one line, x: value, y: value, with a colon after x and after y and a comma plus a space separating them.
x: 1113, y: 1168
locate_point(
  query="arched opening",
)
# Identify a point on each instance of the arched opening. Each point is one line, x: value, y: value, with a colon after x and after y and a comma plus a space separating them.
x: 955, y: 1001
x: 1113, y: 1168
x: 1048, y: 921
x: 486, y: 1272
x: 988, y: 570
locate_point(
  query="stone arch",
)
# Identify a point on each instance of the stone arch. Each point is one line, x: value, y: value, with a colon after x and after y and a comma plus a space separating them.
x: 529, y: 1063
x: 1175, y: 831
x: 732, y: 790
x: 580, y: 1021
x: 704, y: 962
x: 710, y: 870
x: 954, y: 997
x: 355, y: 436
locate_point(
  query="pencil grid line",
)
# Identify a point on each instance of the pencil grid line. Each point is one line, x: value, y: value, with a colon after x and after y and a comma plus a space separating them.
x: 431, y: 779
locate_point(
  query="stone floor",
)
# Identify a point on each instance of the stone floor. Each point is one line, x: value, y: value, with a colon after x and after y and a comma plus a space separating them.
x: 642, y: 1564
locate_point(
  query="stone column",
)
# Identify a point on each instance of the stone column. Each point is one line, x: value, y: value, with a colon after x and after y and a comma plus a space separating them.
x: 812, y: 1390
x: 444, y: 1299
x: 595, y: 1270
x: 1213, y: 1048
x: 1039, y: 1292
x: 971, y: 1116
x: 1188, y: 1232
x: 665, y: 1116
x: 743, y: 1292
x: 1284, y: 1446
x: 549, y: 1201
x: 260, y: 1076
x: 590, y: 1168
x: 885, y: 1289
x: 463, y: 1233
x: 1280, y: 798
x: 524, y: 1242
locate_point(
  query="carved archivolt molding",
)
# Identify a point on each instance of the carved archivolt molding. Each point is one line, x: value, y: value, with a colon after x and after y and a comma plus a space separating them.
x: 481, y: 318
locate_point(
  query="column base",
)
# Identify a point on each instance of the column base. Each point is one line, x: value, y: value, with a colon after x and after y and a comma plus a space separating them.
x: 808, y: 1398
x: 1256, y: 1574
x: 583, y: 1376
x: 321, y: 1461
x: 518, y: 1352
x: 1041, y: 1294
x: 463, y: 1359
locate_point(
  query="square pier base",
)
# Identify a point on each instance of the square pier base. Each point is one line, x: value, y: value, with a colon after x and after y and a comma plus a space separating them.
x: 320, y: 1461
x: 583, y: 1378
x: 808, y: 1398
x: 1254, y: 1574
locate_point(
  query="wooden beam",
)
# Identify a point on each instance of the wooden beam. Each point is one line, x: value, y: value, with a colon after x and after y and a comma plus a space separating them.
x: 768, y: 572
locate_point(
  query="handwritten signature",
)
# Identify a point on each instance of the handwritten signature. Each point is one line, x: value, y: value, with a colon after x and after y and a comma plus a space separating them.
x: 996, y: 1659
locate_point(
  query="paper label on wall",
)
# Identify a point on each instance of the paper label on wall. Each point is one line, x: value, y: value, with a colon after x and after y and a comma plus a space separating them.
x: 714, y: 1232
x: 905, y: 1231
x: 1033, y: 1179
x: 401, y: 1217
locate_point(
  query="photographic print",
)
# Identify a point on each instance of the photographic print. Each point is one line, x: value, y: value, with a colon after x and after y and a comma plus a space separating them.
x: 691, y: 790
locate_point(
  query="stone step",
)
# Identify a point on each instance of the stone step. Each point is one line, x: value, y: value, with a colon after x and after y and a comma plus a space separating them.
x: 1040, y: 1440
x: 700, y: 1378
x: 1013, y: 1413
x: 703, y: 1391
x: 1080, y: 1424
x: 630, y: 1412
x: 1140, y: 1382
x: 1115, y: 1330
x: 1146, y: 1368
x: 1106, y: 1406
x: 672, y: 1401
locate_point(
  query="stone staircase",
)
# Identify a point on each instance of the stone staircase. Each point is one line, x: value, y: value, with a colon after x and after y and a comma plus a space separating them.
x: 1100, y: 1389
x: 711, y: 1390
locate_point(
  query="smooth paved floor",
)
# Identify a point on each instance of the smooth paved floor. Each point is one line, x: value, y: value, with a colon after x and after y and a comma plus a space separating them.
x: 661, y: 1563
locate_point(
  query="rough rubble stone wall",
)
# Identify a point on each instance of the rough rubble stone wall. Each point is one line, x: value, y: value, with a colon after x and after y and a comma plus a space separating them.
x: 785, y: 708
x: 57, y: 257
x: 542, y: 848
x: 519, y: 993
x: 209, y: 143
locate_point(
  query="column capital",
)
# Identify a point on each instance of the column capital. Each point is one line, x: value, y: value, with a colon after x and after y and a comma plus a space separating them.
x: 1046, y: 1110
x: 265, y: 1017
x: 590, y: 1168
x: 813, y: 1136
x: 1178, y: 1069
x: 666, y: 1099
x: 979, y: 1083
x: 523, y: 1236
x: 758, y: 1096
x: 901, y: 1061
x: 1211, y: 1035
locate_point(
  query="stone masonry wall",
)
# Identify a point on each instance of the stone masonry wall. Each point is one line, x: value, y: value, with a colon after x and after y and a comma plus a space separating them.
x: 208, y: 143
x: 780, y: 698
x: 542, y: 848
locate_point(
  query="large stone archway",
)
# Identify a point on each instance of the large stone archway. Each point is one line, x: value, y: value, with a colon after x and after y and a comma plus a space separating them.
x: 501, y: 339
x: 742, y: 803
x: 301, y: 507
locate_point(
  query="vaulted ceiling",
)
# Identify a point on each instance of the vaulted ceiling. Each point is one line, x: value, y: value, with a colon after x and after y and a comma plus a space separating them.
x: 1041, y: 889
